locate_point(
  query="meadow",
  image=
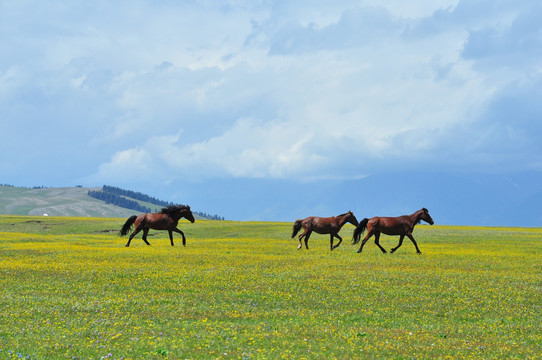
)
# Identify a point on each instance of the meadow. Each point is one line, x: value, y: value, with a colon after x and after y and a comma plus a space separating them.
x: 242, y: 290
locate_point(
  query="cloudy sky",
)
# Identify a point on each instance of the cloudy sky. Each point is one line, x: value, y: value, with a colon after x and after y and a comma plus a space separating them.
x: 140, y: 93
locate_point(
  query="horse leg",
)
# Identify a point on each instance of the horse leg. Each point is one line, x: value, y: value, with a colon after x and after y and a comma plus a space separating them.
x: 414, y: 242
x: 145, y: 233
x: 339, y: 243
x: 398, y: 245
x: 300, y: 237
x: 171, y: 236
x: 377, y: 242
x: 307, y: 239
x: 367, y: 237
x: 137, y: 230
x: 182, y: 234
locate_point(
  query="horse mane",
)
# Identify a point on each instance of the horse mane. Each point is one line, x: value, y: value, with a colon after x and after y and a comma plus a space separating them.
x: 343, y: 214
x: 174, y: 208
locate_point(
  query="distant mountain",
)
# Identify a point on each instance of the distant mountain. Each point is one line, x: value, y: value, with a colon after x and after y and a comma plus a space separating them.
x: 56, y: 202
x: 453, y: 199
x: 73, y: 201
x: 507, y: 200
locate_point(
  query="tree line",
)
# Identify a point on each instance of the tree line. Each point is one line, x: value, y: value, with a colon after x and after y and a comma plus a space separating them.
x: 135, y: 195
x: 25, y: 187
x: 114, y: 199
x: 117, y: 196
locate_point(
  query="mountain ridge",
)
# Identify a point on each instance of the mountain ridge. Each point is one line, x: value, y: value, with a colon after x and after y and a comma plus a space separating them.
x: 62, y: 201
x: 452, y: 199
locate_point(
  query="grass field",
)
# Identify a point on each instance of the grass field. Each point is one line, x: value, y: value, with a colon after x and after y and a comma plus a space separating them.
x: 241, y: 290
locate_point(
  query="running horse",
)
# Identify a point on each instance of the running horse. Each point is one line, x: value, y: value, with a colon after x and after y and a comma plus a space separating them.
x: 401, y: 225
x: 323, y: 225
x: 166, y: 219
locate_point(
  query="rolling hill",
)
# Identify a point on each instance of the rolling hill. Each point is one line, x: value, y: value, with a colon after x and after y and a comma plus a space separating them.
x: 65, y: 201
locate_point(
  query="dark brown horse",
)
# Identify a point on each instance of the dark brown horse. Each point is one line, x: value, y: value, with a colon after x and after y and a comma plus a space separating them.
x: 323, y: 225
x: 401, y: 225
x: 166, y: 219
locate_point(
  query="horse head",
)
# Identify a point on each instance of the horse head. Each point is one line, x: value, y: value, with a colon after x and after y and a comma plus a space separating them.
x: 187, y: 213
x: 426, y: 217
x: 351, y: 218
x: 179, y: 211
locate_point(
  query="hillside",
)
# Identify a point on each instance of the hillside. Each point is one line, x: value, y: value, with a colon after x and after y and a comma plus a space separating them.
x: 69, y: 201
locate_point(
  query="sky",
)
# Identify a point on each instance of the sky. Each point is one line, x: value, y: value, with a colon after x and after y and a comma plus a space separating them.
x: 147, y: 95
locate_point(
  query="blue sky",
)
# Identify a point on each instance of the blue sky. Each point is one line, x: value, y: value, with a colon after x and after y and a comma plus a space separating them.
x: 148, y: 94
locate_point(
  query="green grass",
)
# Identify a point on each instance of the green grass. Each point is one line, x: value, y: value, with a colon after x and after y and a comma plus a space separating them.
x: 70, y: 289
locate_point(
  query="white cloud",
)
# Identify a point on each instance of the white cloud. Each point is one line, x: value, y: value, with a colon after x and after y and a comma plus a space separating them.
x: 250, y: 148
x: 270, y: 89
x: 135, y: 162
x: 341, y: 88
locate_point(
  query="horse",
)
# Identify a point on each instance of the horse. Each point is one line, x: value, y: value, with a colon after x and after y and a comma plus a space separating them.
x: 166, y: 219
x: 323, y: 225
x: 401, y: 225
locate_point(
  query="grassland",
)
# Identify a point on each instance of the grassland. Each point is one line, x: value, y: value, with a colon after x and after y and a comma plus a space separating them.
x: 241, y: 290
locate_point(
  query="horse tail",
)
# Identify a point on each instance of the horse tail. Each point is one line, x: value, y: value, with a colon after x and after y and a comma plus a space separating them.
x: 296, y: 228
x: 359, y: 230
x: 127, y: 225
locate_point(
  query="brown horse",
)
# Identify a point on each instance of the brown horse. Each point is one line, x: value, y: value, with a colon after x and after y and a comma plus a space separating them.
x: 323, y: 225
x: 401, y: 225
x: 166, y: 219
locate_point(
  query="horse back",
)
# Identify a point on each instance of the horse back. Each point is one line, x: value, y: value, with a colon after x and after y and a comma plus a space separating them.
x: 157, y: 221
x: 390, y: 225
x: 321, y: 225
x: 307, y: 222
